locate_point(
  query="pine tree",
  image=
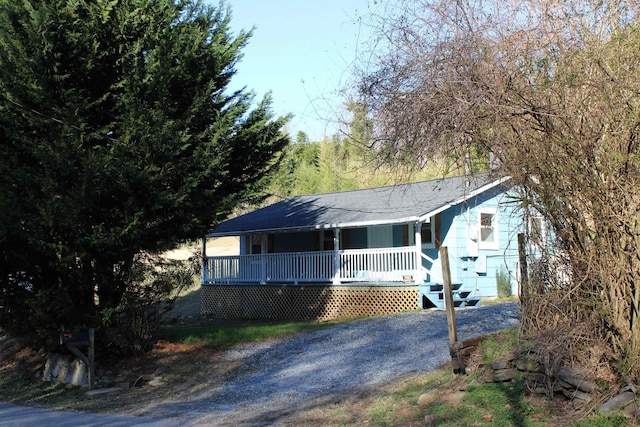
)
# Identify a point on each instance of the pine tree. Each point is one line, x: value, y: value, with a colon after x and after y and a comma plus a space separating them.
x: 118, y: 136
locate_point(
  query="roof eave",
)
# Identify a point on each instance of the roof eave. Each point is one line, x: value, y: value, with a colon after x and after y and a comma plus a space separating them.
x: 464, y: 198
x: 354, y: 224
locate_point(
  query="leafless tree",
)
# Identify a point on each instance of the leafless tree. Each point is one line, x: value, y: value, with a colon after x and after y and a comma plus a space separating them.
x: 550, y: 90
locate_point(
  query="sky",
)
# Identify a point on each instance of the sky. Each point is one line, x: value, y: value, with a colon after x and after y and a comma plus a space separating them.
x: 302, y: 51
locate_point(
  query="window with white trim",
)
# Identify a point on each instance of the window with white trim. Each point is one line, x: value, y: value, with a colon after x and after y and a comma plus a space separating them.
x: 488, y: 219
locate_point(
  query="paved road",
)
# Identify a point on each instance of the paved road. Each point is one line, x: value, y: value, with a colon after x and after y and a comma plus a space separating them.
x: 18, y: 416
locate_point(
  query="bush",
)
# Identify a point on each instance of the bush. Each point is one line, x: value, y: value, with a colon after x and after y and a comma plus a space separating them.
x: 503, y: 284
x: 155, y: 283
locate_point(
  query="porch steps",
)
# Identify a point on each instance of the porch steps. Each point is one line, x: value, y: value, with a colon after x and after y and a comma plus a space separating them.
x: 431, y: 295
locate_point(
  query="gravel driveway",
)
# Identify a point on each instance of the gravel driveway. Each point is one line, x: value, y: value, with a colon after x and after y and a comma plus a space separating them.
x: 291, y: 373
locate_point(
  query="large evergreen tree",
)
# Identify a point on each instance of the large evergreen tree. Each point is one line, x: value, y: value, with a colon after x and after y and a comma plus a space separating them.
x: 118, y: 136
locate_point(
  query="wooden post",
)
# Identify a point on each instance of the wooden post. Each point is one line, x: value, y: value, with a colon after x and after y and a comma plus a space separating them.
x: 92, y: 357
x: 524, y: 272
x: 72, y: 340
x: 336, y: 256
x: 457, y: 362
x: 263, y: 259
x: 204, y: 260
x: 448, y: 295
x: 418, y: 243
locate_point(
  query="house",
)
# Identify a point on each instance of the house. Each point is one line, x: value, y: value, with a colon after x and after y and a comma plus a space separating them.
x: 366, y: 252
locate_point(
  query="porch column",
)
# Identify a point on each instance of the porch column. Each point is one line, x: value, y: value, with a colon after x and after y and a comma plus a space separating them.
x: 204, y: 260
x: 263, y: 259
x: 336, y: 256
x: 418, y: 238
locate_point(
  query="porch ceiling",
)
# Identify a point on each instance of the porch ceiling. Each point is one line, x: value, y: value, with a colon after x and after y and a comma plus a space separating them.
x: 375, y: 206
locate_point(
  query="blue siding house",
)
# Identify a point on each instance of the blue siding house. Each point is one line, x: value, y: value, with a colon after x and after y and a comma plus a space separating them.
x: 367, y: 252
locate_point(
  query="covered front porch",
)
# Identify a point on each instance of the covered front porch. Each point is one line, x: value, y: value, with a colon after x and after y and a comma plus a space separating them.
x: 379, y: 265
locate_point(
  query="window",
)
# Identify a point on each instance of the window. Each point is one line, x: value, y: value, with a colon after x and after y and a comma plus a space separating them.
x: 327, y: 240
x: 430, y: 232
x: 256, y: 244
x: 426, y: 234
x: 488, y: 229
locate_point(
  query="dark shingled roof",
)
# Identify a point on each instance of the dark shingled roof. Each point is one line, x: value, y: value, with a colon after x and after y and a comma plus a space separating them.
x: 382, y: 205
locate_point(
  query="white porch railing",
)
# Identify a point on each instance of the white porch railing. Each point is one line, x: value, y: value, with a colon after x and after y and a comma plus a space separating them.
x: 356, y: 265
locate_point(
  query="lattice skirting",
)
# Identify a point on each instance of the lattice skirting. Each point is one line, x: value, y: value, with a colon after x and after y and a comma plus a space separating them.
x: 305, y: 302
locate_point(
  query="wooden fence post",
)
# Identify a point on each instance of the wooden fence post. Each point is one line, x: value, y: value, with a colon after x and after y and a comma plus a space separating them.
x: 457, y: 363
x: 524, y: 272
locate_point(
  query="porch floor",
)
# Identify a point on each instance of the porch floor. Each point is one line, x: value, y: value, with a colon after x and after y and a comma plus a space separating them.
x: 283, y: 283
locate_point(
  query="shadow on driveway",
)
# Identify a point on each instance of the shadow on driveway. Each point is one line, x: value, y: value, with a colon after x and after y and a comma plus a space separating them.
x: 18, y: 416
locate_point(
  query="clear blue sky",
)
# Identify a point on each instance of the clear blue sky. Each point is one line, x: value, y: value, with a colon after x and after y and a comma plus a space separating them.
x: 302, y: 51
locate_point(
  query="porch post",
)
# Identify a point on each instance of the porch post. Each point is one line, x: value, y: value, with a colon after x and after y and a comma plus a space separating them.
x: 204, y: 260
x: 336, y: 256
x: 418, y: 238
x: 263, y: 259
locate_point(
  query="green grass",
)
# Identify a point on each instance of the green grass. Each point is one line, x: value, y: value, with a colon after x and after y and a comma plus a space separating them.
x: 499, y: 345
x: 603, y: 421
x: 221, y: 337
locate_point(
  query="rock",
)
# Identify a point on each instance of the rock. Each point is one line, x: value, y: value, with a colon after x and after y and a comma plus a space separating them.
x: 529, y: 365
x: 502, y: 375
x: 577, y: 380
x: 52, y: 367
x: 156, y: 382
x: 539, y: 390
x: 631, y: 411
x: 617, y: 402
x: 576, y: 395
x: 99, y: 391
x: 500, y: 364
x: 429, y: 420
x: 427, y: 398
x: 121, y: 378
x: 564, y: 385
x: 78, y: 373
x: 535, y: 378
x: 62, y: 369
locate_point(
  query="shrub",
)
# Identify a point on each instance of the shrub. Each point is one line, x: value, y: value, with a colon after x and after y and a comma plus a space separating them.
x: 503, y: 284
x: 155, y: 283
